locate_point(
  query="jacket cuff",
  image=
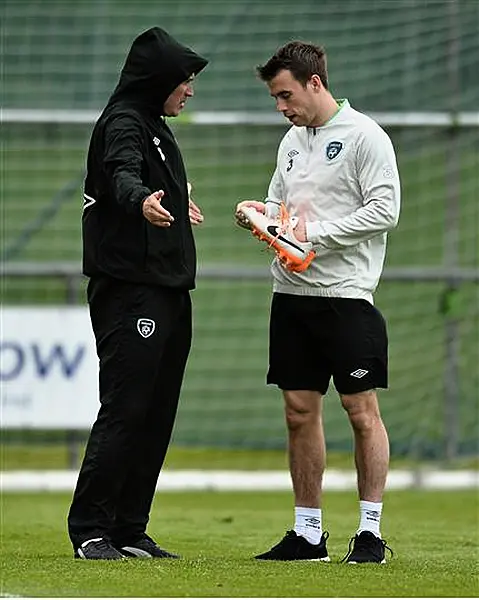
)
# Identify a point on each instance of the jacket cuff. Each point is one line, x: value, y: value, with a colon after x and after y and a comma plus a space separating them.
x: 314, y: 231
x: 139, y: 198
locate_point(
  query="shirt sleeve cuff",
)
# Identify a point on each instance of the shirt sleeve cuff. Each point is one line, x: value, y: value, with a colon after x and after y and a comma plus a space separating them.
x: 314, y: 231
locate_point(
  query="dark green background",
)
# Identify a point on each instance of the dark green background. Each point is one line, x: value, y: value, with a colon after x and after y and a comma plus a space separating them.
x: 386, y: 54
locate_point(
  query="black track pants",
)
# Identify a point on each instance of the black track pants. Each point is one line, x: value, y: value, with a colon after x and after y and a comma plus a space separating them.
x: 143, y: 338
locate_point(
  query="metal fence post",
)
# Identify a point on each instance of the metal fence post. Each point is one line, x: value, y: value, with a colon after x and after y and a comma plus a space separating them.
x: 451, y: 245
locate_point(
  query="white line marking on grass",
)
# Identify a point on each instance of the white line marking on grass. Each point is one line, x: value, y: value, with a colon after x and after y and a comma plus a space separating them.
x: 179, y: 480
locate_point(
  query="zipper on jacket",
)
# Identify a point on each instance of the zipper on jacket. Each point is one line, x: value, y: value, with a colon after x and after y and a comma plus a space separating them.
x: 311, y: 131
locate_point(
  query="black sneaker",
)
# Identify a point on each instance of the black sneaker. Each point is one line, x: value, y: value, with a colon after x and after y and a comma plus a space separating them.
x: 296, y: 547
x: 98, y: 549
x: 145, y: 547
x: 366, y: 548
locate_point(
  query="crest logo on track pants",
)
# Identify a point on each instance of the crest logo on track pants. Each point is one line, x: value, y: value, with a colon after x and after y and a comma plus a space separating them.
x: 145, y: 327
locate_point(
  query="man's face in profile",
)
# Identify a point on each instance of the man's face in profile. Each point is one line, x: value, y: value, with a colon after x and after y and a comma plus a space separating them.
x: 176, y: 101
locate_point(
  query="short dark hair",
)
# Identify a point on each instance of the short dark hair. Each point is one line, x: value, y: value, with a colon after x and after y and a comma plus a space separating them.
x: 301, y: 58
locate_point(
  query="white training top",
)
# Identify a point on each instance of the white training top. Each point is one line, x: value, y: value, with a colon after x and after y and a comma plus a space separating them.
x: 343, y: 178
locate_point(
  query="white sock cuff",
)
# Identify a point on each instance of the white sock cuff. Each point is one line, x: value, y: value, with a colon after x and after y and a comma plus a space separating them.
x: 304, y: 511
x: 308, y: 523
x: 367, y: 505
x: 370, y: 517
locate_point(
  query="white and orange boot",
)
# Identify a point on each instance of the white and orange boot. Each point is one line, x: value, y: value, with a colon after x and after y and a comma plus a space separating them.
x: 279, y: 234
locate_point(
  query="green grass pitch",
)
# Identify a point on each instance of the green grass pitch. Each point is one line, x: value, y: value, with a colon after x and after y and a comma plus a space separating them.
x: 433, y: 534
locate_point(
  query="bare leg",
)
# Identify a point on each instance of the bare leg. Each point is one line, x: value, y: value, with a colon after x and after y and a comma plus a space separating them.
x: 306, y: 446
x: 371, y: 443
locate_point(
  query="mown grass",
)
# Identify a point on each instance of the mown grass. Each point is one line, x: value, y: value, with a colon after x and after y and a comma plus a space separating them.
x: 22, y: 456
x: 433, y: 534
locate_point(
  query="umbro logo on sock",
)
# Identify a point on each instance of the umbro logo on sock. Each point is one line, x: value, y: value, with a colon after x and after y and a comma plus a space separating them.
x: 359, y: 373
x: 313, y: 522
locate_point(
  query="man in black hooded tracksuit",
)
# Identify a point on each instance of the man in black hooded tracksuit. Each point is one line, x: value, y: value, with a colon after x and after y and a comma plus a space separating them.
x: 139, y: 253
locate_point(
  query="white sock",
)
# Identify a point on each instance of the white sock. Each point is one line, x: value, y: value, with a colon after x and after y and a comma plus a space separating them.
x: 308, y: 523
x: 370, y: 517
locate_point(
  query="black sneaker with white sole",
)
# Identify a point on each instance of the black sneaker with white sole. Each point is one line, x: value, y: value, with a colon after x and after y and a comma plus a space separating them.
x: 98, y: 549
x: 144, y: 547
x: 296, y: 547
x: 366, y: 547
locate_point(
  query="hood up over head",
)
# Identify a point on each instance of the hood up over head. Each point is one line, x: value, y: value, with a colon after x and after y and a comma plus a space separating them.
x: 156, y: 64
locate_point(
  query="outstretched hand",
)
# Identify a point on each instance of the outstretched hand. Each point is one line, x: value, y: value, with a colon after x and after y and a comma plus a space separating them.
x: 154, y: 212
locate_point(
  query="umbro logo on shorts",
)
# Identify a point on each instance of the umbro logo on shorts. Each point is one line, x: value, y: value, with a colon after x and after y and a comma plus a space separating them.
x: 145, y: 327
x: 359, y: 373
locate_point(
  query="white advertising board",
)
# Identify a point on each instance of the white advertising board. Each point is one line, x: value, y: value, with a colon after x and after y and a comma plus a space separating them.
x: 48, y: 368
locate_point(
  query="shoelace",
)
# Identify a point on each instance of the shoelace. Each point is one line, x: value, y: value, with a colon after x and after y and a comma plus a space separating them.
x: 361, y: 544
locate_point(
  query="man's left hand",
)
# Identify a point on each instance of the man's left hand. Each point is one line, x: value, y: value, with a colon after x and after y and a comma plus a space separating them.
x: 194, y: 211
x: 195, y: 214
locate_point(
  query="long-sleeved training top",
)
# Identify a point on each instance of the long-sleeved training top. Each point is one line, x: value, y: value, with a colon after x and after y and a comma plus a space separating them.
x: 132, y: 154
x: 343, y: 178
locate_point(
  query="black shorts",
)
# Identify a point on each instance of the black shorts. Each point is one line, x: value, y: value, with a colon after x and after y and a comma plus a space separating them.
x: 313, y: 338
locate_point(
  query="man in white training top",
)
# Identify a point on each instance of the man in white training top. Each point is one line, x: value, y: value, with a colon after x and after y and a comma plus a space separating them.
x: 337, y: 175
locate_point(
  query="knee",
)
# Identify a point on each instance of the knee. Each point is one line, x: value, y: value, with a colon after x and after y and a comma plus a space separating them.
x: 297, y: 418
x: 125, y: 413
x: 362, y: 421
x: 300, y: 411
x: 362, y: 411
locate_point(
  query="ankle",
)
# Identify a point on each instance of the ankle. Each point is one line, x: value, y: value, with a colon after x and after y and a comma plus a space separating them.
x: 308, y: 523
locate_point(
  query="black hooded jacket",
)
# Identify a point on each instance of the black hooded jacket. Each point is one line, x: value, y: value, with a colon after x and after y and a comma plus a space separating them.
x: 132, y: 154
